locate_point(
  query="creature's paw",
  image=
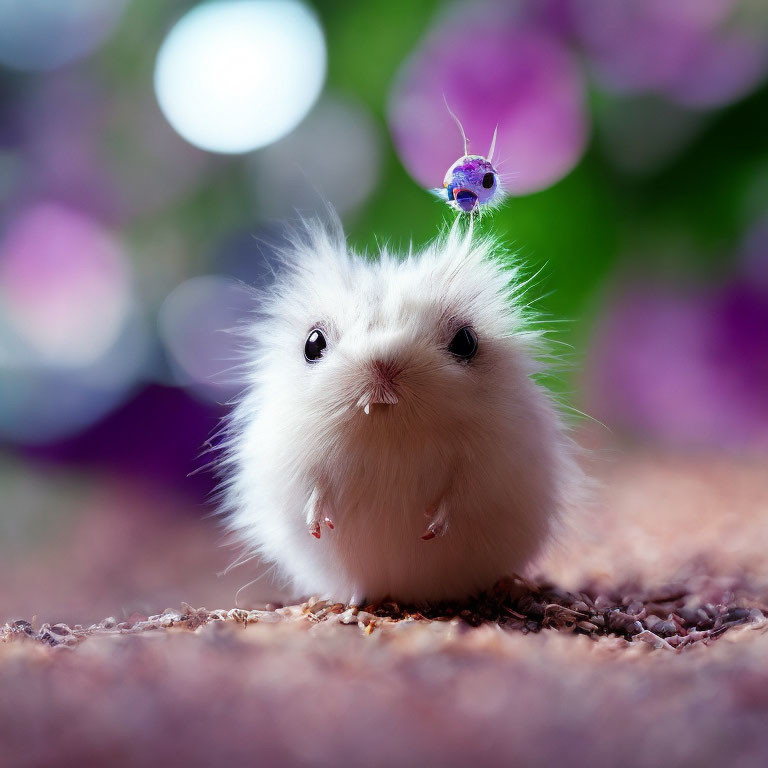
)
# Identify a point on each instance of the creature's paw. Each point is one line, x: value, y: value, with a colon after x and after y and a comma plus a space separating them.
x: 317, y: 514
x: 438, y: 522
x: 315, y: 526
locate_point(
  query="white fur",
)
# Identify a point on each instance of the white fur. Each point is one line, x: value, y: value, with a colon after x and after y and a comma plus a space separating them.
x: 477, y: 449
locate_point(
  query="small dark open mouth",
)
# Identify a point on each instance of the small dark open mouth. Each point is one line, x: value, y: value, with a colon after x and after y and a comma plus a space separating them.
x: 466, y: 199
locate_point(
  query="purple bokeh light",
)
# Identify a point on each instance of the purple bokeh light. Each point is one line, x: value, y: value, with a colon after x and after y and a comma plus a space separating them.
x: 653, y: 368
x: 158, y: 437
x: 688, y: 368
x: 201, y: 324
x: 64, y: 284
x: 518, y: 75
x: 72, y: 341
x: 114, y: 157
x: 701, y: 53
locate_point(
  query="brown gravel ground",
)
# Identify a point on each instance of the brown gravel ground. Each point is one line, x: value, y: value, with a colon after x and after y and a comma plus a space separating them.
x: 642, y: 642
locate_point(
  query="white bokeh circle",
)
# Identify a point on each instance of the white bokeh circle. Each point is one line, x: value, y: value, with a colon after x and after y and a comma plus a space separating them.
x: 236, y: 75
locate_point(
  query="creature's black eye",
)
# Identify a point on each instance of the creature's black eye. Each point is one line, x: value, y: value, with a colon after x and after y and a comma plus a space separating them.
x: 316, y: 343
x: 488, y: 180
x: 464, y: 343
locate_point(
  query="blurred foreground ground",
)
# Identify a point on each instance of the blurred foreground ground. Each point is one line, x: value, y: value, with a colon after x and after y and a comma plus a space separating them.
x: 410, y: 692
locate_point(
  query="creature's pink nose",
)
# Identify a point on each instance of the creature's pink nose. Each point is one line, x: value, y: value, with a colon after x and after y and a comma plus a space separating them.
x: 383, y: 389
x: 385, y: 371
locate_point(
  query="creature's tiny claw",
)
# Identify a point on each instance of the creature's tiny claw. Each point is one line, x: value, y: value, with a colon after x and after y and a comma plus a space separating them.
x: 437, y: 523
x: 314, y: 510
x: 434, y: 530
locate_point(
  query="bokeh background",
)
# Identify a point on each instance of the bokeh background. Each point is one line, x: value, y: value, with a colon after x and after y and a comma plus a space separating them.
x: 152, y: 154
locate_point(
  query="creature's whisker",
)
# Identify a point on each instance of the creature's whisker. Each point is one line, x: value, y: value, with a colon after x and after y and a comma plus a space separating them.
x: 251, y: 583
x: 242, y: 560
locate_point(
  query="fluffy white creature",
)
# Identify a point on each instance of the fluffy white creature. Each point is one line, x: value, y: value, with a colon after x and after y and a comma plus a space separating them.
x: 391, y: 441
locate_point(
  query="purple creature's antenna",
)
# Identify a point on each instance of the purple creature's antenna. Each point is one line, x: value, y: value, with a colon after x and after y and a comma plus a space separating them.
x: 461, y: 127
x: 493, y: 145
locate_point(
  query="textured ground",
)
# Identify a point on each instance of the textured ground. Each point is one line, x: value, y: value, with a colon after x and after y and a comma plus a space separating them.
x: 642, y: 641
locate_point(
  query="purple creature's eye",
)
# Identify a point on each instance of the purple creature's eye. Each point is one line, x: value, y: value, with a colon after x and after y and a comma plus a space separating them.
x: 464, y: 344
x: 488, y: 180
x: 315, y: 344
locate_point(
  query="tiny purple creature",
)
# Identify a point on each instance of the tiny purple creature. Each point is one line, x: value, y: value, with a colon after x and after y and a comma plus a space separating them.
x: 472, y: 182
